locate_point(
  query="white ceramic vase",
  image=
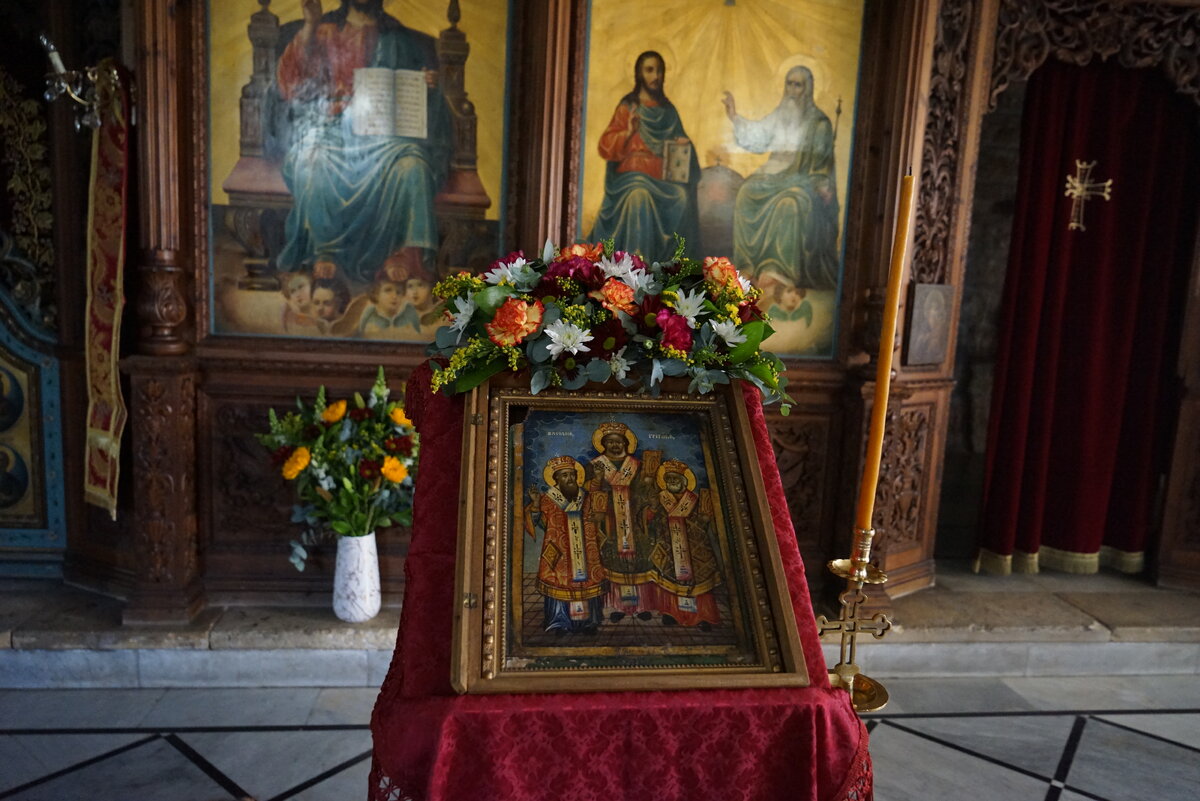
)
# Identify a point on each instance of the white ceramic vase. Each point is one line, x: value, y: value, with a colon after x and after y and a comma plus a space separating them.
x: 356, y: 593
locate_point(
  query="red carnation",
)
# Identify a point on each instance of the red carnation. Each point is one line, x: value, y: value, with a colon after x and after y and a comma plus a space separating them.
x: 677, y: 333
x: 358, y: 415
x: 281, y: 454
x: 368, y: 469
x: 578, y: 267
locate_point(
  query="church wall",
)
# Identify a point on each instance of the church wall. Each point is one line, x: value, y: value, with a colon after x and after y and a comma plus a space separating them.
x: 220, y: 534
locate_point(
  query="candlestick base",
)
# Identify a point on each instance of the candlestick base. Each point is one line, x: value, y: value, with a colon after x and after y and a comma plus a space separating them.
x: 847, y: 569
x: 866, y: 694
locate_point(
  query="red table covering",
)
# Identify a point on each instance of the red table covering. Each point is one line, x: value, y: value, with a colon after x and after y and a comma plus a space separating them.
x: 431, y: 744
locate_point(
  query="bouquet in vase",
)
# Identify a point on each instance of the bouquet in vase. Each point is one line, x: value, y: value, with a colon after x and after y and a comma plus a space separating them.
x: 590, y: 313
x: 352, y: 463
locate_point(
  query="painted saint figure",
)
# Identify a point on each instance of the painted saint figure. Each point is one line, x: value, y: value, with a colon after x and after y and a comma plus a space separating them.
x: 643, y: 207
x: 358, y: 199
x: 570, y: 576
x: 621, y: 491
x: 786, y: 213
x: 687, y: 570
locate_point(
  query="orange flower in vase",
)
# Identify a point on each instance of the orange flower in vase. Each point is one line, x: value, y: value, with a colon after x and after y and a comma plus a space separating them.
x: 515, y: 320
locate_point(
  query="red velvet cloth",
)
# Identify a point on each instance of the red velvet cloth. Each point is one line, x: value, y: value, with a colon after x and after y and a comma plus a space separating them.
x: 431, y: 744
x: 1082, y: 406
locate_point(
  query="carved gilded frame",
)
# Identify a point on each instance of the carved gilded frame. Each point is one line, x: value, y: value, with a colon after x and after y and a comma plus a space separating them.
x: 501, y: 639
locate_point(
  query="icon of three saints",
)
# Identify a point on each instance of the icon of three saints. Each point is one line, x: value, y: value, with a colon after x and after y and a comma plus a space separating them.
x: 624, y: 537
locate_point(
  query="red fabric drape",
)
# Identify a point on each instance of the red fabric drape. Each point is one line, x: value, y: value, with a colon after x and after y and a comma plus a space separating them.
x: 433, y: 745
x: 1082, y: 406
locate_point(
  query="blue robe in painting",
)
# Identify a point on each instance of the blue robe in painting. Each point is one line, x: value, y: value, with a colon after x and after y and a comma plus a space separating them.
x: 358, y: 199
x: 641, y: 212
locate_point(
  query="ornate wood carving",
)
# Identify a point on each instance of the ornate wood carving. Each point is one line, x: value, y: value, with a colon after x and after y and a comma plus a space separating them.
x: 801, y: 450
x: 1076, y: 31
x: 162, y: 304
x: 904, y: 472
x: 247, y: 493
x: 166, y: 583
x: 948, y: 95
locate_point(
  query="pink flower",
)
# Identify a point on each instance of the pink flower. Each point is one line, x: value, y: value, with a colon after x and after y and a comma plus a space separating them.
x: 677, y: 333
x: 514, y: 321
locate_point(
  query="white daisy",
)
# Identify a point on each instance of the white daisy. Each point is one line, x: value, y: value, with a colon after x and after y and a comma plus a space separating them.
x: 619, y: 268
x: 566, y: 336
x: 619, y: 365
x: 728, y: 331
x: 505, y: 273
x: 464, y: 309
x: 689, y: 305
x: 744, y: 282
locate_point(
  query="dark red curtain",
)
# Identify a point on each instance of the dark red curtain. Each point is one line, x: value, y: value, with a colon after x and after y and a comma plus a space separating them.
x: 1084, y: 400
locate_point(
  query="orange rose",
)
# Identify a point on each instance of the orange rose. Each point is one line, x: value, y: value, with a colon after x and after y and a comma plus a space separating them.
x: 334, y: 412
x: 514, y: 321
x: 589, y: 252
x: 615, y: 296
x: 720, y: 270
x: 296, y: 463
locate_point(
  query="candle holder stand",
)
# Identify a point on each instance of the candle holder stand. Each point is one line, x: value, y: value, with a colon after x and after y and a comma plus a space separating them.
x: 866, y: 694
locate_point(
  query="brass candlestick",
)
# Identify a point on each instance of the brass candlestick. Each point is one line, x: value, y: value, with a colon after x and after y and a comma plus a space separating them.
x: 866, y: 694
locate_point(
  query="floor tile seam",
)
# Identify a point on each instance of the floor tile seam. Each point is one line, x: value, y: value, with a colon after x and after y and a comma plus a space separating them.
x: 320, y: 777
x: 1149, y: 735
x: 969, y: 752
x: 79, y: 765
x: 1110, y: 629
x: 209, y: 769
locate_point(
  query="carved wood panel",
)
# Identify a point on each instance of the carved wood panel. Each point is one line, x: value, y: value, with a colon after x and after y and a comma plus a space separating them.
x: 802, y: 453
x: 247, y: 506
x: 1076, y: 31
x: 936, y: 206
x: 904, y: 473
x: 166, y: 583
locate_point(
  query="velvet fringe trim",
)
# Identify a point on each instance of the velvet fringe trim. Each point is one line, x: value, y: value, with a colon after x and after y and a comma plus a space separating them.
x: 1057, y: 559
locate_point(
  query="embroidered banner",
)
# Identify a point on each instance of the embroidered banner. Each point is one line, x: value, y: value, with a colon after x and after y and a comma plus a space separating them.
x: 106, y: 412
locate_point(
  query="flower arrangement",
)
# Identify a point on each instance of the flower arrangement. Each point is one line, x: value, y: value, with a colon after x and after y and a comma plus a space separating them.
x: 588, y: 312
x: 352, y: 464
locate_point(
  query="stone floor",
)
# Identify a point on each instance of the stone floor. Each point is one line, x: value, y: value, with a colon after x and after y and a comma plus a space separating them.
x: 1027, y: 687
x: 1048, y: 624
x: 1106, y: 738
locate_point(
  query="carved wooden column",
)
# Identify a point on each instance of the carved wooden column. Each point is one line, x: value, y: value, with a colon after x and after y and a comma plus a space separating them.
x: 166, y: 584
x: 896, y: 124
